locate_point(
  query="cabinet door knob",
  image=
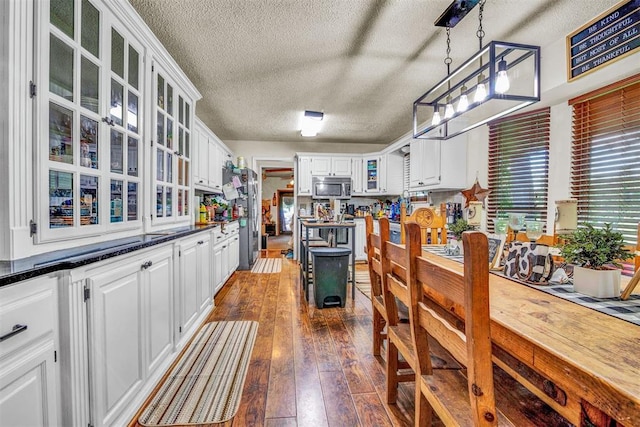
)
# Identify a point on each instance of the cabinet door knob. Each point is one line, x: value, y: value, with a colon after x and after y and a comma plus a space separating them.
x: 146, y: 265
x: 14, y: 331
x: 201, y: 242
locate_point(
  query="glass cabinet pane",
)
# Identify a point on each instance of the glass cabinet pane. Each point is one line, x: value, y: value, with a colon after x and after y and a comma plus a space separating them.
x: 132, y: 201
x: 180, y: 170
x: 187, y: 152
x: 180, y: 141
x: 134, y: 65
x: 89, y: 87
x: 60, y: 68
x: 169, y: 168
x: 132, y: 157
x: 117, y: 154
x: 169, y: 201
x: 180, y: 202
x: 186, y: 173
x: 88, y: 143
x: 116, y: 201
x: 116, y: 102
x: 169, y: 133
x: 132, y: 113
x: 117, y: 53
x: 169, y: 100
x: 160, y: 165
x: 61, y: 15
x: 88, y: 200
x: 181, y: 110
x: 160, y: 129
x: 90, y: 25
x: 159, y: 201
x: 186, y: 202
x: 60, y: 199
x: 160, y: 99
x: 60, y: 134
x: 187, y: 121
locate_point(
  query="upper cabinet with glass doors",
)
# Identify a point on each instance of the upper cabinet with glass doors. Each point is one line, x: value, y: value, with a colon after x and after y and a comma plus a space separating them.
x: 171, y: 151
x: 91, y: 179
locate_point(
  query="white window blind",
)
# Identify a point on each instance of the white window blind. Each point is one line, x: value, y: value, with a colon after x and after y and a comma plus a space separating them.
x: 406, y: 171
x: 605, y: 160
x: 519, y: 166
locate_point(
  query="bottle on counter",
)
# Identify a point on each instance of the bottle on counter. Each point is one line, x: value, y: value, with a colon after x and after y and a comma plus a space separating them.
x: 203, y: 213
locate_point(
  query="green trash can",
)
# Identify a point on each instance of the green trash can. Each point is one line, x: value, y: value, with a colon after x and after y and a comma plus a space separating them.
x: 330, y: 270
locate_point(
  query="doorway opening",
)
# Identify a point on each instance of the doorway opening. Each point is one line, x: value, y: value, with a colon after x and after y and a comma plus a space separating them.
x: 286, y: 209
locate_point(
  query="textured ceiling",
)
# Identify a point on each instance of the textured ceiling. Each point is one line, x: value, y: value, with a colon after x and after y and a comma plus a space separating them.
x: 260, y: 63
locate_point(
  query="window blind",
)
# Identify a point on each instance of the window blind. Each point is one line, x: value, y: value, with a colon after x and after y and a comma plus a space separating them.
x: 605, y: 158
x: 519, y: 166
x: 406, y: 171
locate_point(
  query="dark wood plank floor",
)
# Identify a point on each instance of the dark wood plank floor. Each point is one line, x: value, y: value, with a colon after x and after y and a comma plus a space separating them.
x: 309, y: 367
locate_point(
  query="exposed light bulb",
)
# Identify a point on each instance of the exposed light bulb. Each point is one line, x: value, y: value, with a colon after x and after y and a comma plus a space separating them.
x: 448, y: 109
x: 435, y: 120
x: 502, y: 81
x: 481, y: 90
x: 463, y: 103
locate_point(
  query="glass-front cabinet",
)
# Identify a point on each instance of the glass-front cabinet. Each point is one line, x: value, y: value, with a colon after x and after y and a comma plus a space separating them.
x: 172, y: 151
x: 90, y: 177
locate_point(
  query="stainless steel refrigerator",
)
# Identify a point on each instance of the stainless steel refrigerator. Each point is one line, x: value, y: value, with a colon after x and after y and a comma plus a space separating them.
x: 250, y: 229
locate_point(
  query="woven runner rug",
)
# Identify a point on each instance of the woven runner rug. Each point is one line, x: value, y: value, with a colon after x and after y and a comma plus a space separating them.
x: 363, y: 282
x: 205, y: 385
x: 267, y: 265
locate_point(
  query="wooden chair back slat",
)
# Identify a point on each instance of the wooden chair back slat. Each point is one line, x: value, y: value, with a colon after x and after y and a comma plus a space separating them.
x: 374, y: 248
x: 442, y: 331
x: 441, y: 281
x: 432, y: 222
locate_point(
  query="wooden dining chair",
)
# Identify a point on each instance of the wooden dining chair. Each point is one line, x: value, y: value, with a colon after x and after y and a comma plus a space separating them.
x: 633, y: 283
x: 374, y: 245
x: 462, y: 398
x: 399, y: 341
x: 432, y: 222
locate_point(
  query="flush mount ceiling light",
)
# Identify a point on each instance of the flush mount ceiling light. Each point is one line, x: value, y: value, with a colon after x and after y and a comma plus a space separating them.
x: 497, y: 80
x: 311, y: 123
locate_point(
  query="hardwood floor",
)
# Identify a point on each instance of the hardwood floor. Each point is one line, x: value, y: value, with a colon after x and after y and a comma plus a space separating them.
x: 309, y: 367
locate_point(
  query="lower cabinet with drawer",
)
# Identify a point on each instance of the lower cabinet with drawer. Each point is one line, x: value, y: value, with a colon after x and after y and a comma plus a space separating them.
x: 28, y: 353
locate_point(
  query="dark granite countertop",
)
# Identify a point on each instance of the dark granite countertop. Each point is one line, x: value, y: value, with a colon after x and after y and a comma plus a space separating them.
x: 38, y: 265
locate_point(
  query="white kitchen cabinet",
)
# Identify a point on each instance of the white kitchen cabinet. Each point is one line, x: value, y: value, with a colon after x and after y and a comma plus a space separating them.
x: 341, y: 166
x: 195, y: 280
x: 392, y: 182
x: 374, y: 173
x: 304, y: 176
x: 212, y: 154
x: 218, y: 274
x: 357, y: 187
x: 117, y: 339
x: 131, y: 329
x: 28, y: 378
x: 234, y: 252
x: 361, y: 239
x: 438, y: 165
x: 331, y: 166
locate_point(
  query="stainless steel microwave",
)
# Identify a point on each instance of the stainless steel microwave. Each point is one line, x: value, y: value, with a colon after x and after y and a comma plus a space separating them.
x: 331, y: 187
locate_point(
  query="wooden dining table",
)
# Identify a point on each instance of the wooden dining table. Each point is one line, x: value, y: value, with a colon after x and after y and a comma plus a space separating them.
x: 583, y: 363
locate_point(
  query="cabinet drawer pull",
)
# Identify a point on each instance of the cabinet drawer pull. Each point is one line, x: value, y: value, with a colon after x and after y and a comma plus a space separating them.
x: 224, y: 247
x: 201, y: 242
x: 146, y: 265
x: 14, y: 331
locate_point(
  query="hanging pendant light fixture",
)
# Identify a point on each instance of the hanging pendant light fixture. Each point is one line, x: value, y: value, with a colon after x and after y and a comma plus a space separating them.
x: 501, y: 77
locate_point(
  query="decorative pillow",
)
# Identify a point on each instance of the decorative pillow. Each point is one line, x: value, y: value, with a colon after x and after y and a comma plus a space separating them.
x: 530, y: 262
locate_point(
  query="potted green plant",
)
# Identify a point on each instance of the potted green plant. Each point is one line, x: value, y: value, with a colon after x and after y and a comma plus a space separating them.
x: 459, y: 227
x: 595, y: 253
